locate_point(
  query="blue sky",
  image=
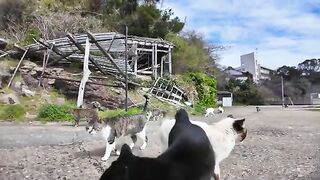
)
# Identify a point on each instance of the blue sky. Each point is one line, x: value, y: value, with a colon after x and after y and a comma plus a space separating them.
x: 285, y: 32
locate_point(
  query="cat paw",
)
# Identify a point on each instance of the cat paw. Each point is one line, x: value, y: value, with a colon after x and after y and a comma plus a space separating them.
x: 117, y: 152
x: 104, y: 158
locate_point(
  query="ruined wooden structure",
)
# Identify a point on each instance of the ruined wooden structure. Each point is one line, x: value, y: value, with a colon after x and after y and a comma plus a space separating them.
x: 146, y: 56
x: 164, y: 89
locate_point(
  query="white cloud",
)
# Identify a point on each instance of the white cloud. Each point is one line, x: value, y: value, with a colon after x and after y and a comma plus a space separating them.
x: 285, y: 32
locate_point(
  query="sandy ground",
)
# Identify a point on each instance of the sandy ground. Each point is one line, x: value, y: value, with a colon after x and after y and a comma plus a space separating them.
x: 281, y: 144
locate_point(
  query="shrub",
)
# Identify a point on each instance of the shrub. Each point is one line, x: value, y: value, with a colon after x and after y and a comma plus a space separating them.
x: 205, y: 87
x: 119, y: 112
x: 12, y: 112
x: 52, y: 112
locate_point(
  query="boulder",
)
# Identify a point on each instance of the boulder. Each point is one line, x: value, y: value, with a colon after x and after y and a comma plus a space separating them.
x: 30, y: 81
x: 92, y: 93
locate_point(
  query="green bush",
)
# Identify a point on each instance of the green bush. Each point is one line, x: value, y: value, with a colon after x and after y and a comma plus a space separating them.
x: 206, y: 89
x: 119, y: 112
x: 12, y: 112
x: 52, y: 112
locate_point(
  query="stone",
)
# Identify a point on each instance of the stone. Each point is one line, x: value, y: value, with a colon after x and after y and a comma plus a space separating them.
x: 3, y: 44
x: 30, y: 81
x: 4, y: 76
x: 27, y: 92
x: 17, y: 86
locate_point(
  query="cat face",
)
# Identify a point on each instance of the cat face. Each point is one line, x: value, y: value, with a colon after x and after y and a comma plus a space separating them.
x: 239, y: 127
x: 93, y: 126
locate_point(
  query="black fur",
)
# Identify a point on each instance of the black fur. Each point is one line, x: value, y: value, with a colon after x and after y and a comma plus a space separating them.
x: 258, y: 109
x: 189, y: 157
x: 238, y: 125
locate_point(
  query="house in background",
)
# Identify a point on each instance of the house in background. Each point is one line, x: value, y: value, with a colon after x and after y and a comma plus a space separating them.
x: 237, y: 74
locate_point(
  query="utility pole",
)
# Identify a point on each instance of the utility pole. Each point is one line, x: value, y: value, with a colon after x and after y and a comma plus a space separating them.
x: 126, y: 67
x: 282, y: 91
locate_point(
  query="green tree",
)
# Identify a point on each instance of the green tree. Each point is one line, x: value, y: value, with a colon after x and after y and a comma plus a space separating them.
x: 193, y: 54
x: 244, y: 92
x: 142, y: 20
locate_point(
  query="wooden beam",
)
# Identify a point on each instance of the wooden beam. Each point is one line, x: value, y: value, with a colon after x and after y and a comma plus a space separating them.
x: 105, y: 53
x: 18, y: 66
x: 75, y: 42
x: 57, y: 51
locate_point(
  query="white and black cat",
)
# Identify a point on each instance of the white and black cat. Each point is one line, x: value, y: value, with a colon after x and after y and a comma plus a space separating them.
x: 222, y: 136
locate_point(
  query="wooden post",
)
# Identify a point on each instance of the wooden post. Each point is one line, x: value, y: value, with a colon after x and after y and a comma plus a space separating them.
x: 18, y: 66
x: 86, y: 74
x: 156, y: 61
x: 170, y: 63
x: 105, y: 53
x: 75, y: 42
x: 44, y: 64
x: 152, y: 60
x: 161, y: 70
x: 126, y: 67
x: 135, y: 65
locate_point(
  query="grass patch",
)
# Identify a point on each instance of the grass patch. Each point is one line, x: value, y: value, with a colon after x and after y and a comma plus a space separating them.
x: 52, y: 112
x: 8, y: 62
x: 12, y: 112
x: 119, y: 112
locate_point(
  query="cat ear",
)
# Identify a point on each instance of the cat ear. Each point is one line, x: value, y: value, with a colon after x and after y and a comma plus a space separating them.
x: 125, y: 153
x: 238, y: 124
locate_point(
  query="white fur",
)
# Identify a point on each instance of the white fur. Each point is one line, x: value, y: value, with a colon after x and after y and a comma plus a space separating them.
x: 142, y: 136
x: 109, y: 147
x: 220, y: 109
x: 209, y: 111
x: 221, y: 135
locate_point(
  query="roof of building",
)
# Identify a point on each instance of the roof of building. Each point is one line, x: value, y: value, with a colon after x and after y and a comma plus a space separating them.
x: 262, y: 67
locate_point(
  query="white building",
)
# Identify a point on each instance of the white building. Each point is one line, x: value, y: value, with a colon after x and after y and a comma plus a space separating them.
x: 250, y: 64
